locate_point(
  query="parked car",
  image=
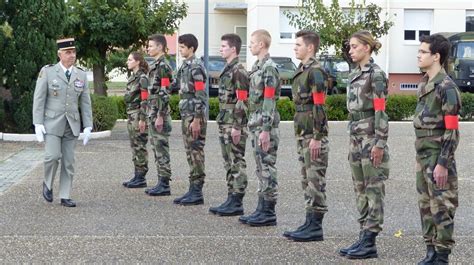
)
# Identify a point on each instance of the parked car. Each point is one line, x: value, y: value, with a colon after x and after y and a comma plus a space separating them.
x: 214, y: 69
x: 338, y: 71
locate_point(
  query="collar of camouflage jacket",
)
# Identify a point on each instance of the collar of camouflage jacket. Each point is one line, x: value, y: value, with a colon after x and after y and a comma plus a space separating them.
x: 190, y: 59
x: 426, y: 85
x: 259, y: 63
x: 157, y: 61
x: 360, y: 70
x: 309, y: 63
x: 230, y: 65
x: 136, y: 75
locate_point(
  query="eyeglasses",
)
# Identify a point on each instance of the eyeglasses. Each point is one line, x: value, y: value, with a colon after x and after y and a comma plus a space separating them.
x: 423, y: 52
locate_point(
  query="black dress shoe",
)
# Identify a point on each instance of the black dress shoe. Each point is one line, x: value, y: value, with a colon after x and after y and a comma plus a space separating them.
x: 68, y: 203
x: 47, y: 193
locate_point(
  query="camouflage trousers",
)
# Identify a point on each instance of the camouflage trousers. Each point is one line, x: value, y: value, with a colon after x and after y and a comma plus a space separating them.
x: 437, y: 206
x: 161, y: 146
x: 194, y: 149
x: 138, y: 143
x: 234, y: 159
x: 314, y: 174
x: 265, y: 164
x: 368, y: 181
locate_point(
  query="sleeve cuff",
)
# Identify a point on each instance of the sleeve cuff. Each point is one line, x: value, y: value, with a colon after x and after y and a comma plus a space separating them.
x: 381, y: 143
x: 443, y: 161
x: 318, y: 136
x: 267, y: 128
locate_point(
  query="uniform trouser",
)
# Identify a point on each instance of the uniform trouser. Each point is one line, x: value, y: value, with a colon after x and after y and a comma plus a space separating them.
x: 314, y: 174
x: 194, y: 149
x: 368, y: 181
x: 234, y: 159
x: 265, y: 164
x: 161, y: 147
x: 60, y: 148
x: 437, y: 206
x: 138, y: 143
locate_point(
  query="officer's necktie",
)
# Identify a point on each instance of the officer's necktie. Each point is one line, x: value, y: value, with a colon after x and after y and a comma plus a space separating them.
x: 68, y: 75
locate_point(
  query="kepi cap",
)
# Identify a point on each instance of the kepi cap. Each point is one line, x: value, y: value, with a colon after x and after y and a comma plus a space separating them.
x: 65, y: 44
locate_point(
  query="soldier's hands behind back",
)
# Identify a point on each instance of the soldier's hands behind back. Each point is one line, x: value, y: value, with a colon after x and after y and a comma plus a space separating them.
x: 264, y: 141
x: 314, y: 149
x: 440, y: 175
x: 40, y: 132
x: 376, y: 156
x: 159, y: 123
x: 235, y: 136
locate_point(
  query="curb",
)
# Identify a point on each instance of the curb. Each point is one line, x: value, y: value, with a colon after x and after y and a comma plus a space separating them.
x: 16, y: 137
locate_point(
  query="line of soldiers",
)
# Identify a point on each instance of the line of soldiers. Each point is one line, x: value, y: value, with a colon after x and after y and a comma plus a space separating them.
x: 247, y: 104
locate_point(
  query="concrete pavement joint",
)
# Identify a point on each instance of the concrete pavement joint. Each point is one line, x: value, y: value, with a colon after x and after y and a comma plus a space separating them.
x: 14, y: 168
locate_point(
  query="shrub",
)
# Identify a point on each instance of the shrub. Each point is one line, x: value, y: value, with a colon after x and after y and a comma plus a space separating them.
x: 467, y: 110
x: 400, y: 107
x: 104, y: 112
x: 174, y: 105
x: 22, y: 114
x: 286, y: 109
x: 2, y: 115
x: 336, y: 109
x: 121, y: 106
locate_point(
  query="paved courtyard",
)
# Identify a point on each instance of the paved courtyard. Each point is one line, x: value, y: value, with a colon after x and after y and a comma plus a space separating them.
x: 116, y: 225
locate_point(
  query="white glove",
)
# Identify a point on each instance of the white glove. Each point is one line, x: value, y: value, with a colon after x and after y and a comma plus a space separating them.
x: 40, y: 132
x: 87, y: 135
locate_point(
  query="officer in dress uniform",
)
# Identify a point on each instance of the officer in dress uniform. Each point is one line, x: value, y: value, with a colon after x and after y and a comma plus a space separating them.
x: 61, y: 101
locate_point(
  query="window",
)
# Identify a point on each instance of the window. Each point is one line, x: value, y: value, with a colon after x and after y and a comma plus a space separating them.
x: 417, y: 24
x: 469, y: 20
x: 287, y: 32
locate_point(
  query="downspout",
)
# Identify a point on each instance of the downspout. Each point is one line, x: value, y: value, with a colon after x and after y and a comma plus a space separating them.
x: 387, y: 42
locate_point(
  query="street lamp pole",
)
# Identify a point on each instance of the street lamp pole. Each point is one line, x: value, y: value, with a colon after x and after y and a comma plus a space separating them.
x: 206, y: 49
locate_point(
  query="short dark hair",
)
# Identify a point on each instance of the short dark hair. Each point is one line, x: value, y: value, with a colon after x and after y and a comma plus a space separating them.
x: 189, y: 40
x: 309, y: 37
x: 159, y: 39
x: 233, y: 40
x: 438, y: 44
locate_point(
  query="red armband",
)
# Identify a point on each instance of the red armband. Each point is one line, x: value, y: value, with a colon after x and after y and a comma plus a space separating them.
x: 269, y: 92
x: 319, y: 98
x: 379, y: 104
x: 165, y: 81
x: 451, y: 122
x: 144, y: 94
x: 199, y: 85
x: 242, y: 95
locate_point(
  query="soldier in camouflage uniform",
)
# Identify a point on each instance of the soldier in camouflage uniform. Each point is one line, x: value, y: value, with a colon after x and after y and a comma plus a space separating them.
x: 311, y: 132
x: 263, y: 126
x: 191, y: 78
x: 368, y: 155
x: 135, y: 99
x: 437, y: 137
x: 159, y: 118
x: 232, y: 121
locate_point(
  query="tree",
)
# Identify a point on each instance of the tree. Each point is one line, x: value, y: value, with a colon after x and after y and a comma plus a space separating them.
x: 335, y: 25
x: 103, y: 28
x: 30, y: 29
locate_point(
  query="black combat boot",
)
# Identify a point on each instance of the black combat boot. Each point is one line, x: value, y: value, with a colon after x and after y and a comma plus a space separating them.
x: 312, y: 232
x: 343, y: 251
x: 442, y: 257
x: 139, y: 180
x: 234, y: 207
x: 430, y: 256
x: 267, y: 216
x: 367, y: 248
x: 224, y: 204
x: 178, y: 200
x: 195, y: 196
x: 161, y: 189
x: 244, y: 218
x: 306, y: 222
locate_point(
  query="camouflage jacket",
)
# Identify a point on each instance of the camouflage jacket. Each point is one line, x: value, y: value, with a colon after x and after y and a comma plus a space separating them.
x: 436, y: 99
x: 231, y: 111
x: 310, y: 119
x: 191, y: 78
x: 264, y: 92
x: 365, y: 85
x: 136, y: 82
x: 158, y: 99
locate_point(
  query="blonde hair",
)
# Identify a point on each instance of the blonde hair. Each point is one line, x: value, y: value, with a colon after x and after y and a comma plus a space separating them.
x: 263, y: 36
x: 365, y: 37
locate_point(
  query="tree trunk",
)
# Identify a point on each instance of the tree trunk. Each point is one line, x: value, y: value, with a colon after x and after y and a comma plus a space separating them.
x: 98, y: 71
